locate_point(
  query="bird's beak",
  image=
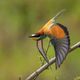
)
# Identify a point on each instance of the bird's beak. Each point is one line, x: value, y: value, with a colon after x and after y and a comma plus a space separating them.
x: 33, y: 36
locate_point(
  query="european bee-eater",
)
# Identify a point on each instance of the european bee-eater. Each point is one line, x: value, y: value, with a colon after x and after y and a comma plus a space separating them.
x: 59, y: 38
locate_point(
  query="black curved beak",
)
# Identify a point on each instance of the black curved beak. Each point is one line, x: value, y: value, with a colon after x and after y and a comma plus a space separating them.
x: 34, y: 36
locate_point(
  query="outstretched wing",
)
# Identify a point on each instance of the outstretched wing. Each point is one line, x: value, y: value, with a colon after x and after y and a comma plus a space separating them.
x: 41, y: 50
x: 61, y: 46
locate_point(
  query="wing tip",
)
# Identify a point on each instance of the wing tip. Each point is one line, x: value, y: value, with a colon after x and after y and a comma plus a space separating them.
x: 58, y: 62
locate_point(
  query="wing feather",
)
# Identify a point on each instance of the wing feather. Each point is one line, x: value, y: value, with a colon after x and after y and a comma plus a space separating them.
x: 61, y: 46
x: 41, y: 50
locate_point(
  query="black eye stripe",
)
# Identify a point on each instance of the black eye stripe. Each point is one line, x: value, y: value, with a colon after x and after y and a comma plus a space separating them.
x: 37, y: 35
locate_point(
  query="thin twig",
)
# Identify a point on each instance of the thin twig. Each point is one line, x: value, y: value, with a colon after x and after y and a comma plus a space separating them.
x: 51, y: 61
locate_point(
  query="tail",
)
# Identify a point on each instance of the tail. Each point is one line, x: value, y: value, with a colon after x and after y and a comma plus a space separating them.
x: 58, y: 14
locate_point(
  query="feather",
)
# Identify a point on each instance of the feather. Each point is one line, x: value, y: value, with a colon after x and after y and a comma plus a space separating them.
x: 61, y: 46
x: 41, y: 50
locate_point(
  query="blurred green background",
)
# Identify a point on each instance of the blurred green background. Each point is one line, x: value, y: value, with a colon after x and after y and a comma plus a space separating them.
x: 18, y: 54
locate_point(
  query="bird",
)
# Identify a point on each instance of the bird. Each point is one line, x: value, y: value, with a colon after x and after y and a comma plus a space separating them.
x: 59, y: 38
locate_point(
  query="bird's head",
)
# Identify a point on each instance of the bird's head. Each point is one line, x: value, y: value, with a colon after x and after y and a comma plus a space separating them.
x: 37, y: 36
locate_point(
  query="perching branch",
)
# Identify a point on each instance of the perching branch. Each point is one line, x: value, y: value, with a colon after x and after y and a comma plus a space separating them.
x: 51, y: 61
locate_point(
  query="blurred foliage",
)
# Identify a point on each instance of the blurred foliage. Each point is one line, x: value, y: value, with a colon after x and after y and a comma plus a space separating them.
x: 18, y: 54
x: 77, y: 78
